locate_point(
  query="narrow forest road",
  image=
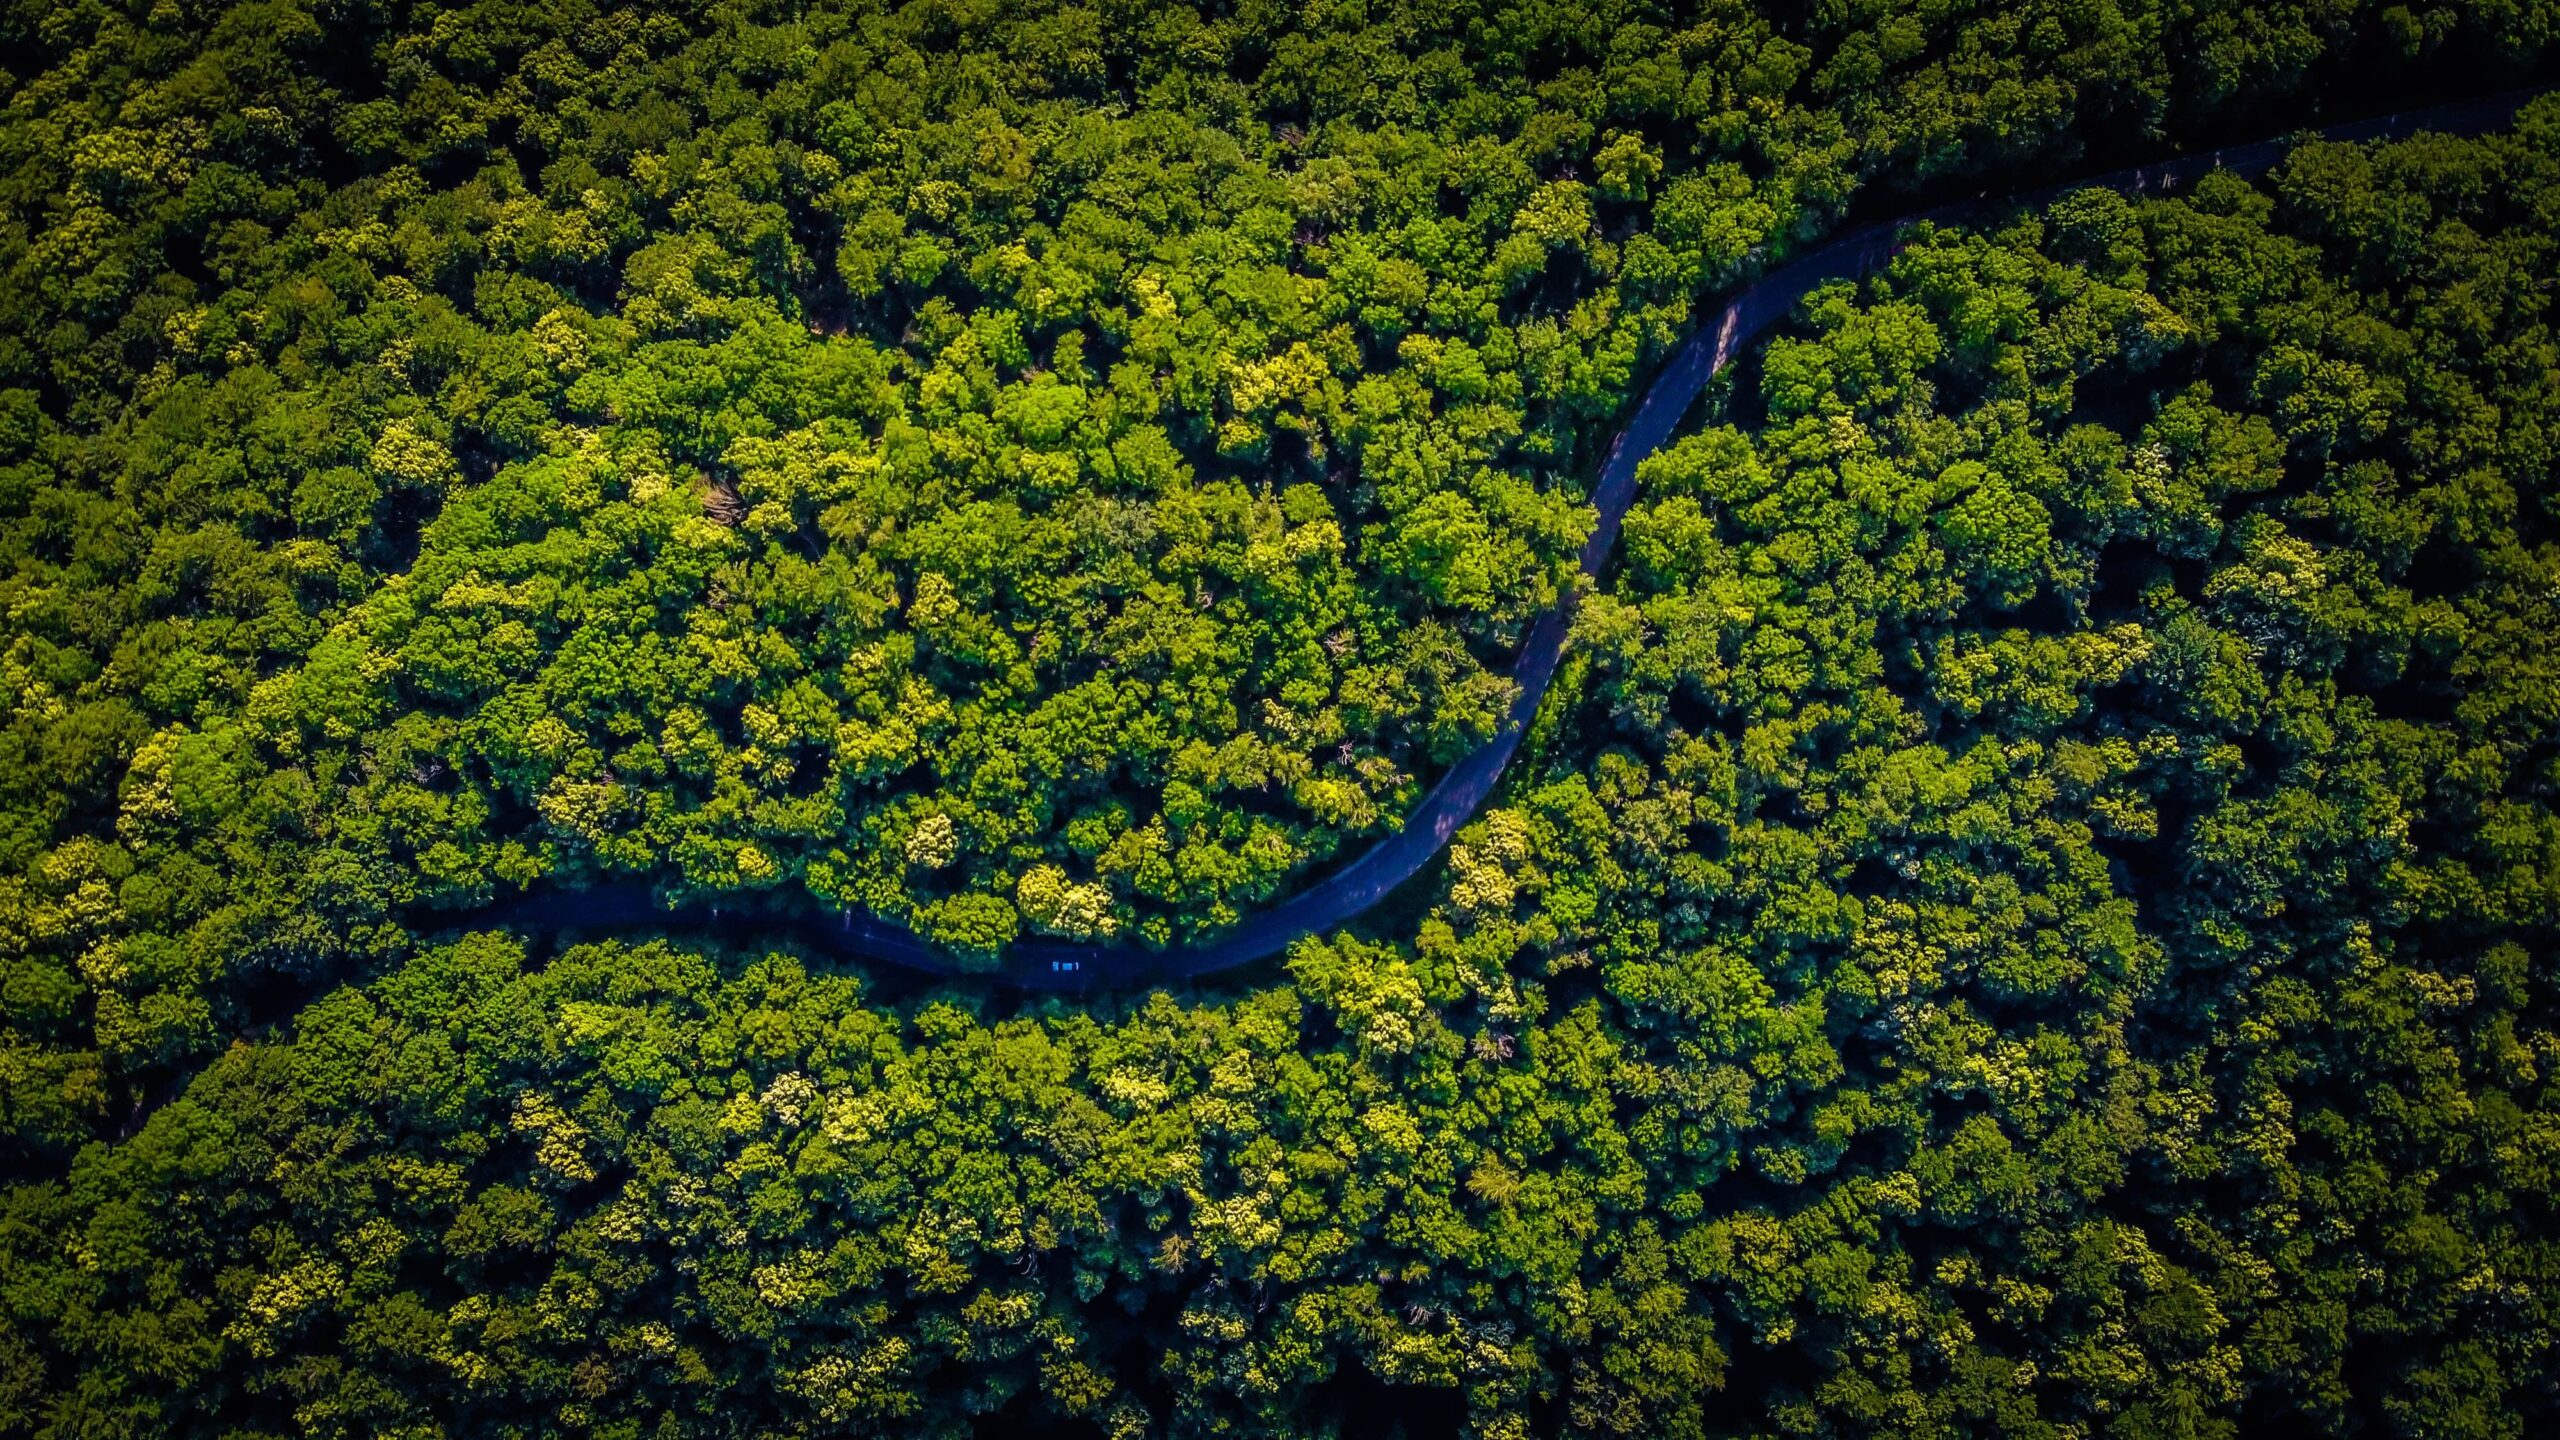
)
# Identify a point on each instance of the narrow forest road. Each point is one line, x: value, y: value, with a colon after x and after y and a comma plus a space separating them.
x: 1350, y: 891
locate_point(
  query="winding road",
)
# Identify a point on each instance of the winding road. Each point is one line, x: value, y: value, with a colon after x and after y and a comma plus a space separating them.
x: 1342, y: 896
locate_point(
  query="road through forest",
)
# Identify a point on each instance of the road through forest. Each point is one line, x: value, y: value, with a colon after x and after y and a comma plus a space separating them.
x: 1346, y: 893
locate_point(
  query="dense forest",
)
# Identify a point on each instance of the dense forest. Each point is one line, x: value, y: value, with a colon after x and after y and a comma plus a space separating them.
x: 2030, y: 908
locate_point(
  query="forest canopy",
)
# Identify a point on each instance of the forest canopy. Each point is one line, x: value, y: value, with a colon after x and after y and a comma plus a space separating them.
x: 2030, y: 908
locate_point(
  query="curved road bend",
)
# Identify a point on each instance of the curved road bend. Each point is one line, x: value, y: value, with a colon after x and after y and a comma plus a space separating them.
x: 1044, y: 964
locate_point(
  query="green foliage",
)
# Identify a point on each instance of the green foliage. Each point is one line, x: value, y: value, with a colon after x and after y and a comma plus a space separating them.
x: 2083, y: 738
x: 538, y: 444
x: 2029, y: 911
